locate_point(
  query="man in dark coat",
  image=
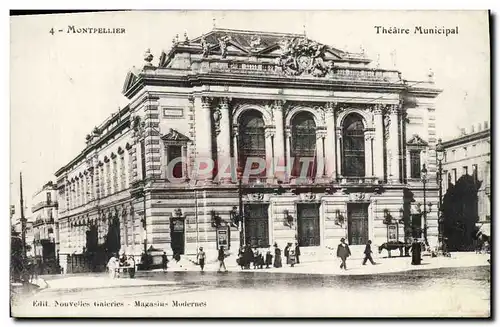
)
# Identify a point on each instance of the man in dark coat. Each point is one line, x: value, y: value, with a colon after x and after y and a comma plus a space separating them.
x: 297, y: 251
x: 343, y: 252
x: 368, y: 253
x: 164, y: 261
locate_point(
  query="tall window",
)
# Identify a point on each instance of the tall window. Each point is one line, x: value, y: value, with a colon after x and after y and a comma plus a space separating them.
x: 122, y: 172
x: 49, y: 197
x: 465, y: 170
x: 474, y: 172
x: 454, y: 170
x: 143, y: 159
x: 102, y: 180
x: 252, y: 142
x: 303, y: 148
x: 174, y: 152
x: 353, y: 146
x: 415, y: 164
x: 115, y: 175
x: 108, y: 178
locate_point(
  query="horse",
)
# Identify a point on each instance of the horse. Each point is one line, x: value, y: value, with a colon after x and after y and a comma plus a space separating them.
x: 389, y: 246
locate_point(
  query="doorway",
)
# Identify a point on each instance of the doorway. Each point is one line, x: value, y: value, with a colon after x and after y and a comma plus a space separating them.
x: 357, y: 223
x: 177, y: 230
x: 308, y: 224
x: 257, y: 225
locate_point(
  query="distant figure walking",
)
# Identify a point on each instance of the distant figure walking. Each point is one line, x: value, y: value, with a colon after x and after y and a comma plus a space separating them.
x: 297, y: 251
x: 200, y: 257
x: 292, y: 257
x: 221, y: 256
x: 368, y: 253
x: 277, y: 256
x: 343, y: 252
x: 164, y: 261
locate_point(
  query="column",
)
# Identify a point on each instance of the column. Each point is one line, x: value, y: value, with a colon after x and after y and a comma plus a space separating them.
x: 378, y: 144
x: 222, y: 129
x: 204, y: 135
x: 320, y: 153
x: 408, y: 165
x: 152, y: 138
x: 289, y: 163
x: 235, y: 145
x: 368, y: 154
x: 394, y: 142
x: 330, y: 141
x: 338, y: 155
x: 279, y: 140
x: 269, y: 134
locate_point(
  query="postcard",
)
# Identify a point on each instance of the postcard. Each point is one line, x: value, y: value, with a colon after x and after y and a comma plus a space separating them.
x: 250, y: 164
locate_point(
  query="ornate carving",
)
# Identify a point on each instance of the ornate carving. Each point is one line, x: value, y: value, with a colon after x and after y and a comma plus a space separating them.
x: 205, y: 47
x: 256, y: 196
x: 269, y: 131
x: 320, y: 133
x: 288, y: 131
x: 387, y: 123
x: 255, y: 43
x: 302, y: 56
x: 309, y: 196
x: 223, y: 42
x: 378, y: 109
x: 330, y: 107
x: 206, y: 102
x: 148, y: 57
x: 416, y: 141
x: 217, y: 117
x: 356, y: 197
x: 174, y: 135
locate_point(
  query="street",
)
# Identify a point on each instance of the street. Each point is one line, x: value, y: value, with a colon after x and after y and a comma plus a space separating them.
x: 444, y: 292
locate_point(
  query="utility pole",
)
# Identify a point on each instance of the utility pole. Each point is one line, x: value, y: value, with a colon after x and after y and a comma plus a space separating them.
x: 23, y: 219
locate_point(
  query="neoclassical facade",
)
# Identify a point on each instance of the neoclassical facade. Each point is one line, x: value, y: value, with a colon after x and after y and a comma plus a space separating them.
x: 334, y: 148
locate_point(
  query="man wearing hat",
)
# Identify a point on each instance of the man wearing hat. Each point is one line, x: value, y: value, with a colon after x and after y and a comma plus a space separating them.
x: 343, y: 253
x: 201, y: 258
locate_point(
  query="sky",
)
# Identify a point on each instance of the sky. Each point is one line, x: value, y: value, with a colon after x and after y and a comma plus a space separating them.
x: 63, y: 85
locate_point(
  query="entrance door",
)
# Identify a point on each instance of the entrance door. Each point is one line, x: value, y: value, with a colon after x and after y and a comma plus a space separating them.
x: 257, y: 225
x: 357, y: 225
x: 308, y: 224
x: 177, y: 235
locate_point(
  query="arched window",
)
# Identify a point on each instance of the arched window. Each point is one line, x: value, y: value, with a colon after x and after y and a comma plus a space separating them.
x: 252, y: 142
x: 303, y: 147
x: 353, y: 146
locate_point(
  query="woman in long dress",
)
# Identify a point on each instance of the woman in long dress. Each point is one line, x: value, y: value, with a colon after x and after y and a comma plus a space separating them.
x: 112, y: 263
x: 277, y: 256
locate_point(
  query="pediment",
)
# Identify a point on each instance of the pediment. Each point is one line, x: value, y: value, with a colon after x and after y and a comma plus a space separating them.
x: 416, y: 141
x: 174, y: 136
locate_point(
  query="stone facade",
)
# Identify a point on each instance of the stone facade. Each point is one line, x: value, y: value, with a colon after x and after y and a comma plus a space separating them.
x: 470, y: 154
x: 45, y: 242
x: 194, y: 105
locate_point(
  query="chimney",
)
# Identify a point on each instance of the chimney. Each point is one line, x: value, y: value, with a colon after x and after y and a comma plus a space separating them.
x: 486, y: 125
x: 462, y: 132
x: 479, y: 127
x: 472, y: 129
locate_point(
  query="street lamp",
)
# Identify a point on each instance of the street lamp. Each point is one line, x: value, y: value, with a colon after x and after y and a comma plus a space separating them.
x: 425, y: 211
x: 239, y: 172
x: 440, y: 156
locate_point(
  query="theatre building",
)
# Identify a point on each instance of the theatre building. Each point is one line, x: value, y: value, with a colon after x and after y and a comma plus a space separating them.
x: 342, y: 144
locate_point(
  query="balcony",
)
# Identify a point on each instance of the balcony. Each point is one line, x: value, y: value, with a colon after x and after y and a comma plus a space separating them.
x: 272, y: 69
x: 43, y: 204
x: 362, y: 181
x: 43, y: 221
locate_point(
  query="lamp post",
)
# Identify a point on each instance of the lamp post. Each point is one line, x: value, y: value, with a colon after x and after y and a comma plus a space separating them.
x: 425, y: 211
x: 440, y: 156
x: 239, y: 172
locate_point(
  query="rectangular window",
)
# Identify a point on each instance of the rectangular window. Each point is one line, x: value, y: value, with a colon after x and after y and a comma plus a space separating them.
x: 415, y: 164
x: 108, y: 178
x: 465, y: 152
x: 49, y: 197
x: 454, y: 171
x: 465, y: 170
x: 453, y: 154
x: 174, y: 157
x: 474, y: 172
x: 473, y: 151
x: 143, y: 160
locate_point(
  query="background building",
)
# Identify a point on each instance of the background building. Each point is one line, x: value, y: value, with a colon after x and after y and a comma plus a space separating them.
x: 466, y: 184
x: 366, y: 134
x: 45, y: 241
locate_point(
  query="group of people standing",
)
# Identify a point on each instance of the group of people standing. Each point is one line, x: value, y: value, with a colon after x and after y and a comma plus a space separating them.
x: 247, y: 256
x: 115, y: 263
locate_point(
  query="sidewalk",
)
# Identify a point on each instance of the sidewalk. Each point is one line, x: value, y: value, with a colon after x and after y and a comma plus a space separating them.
x: 101, y: 281
x: 330, y: 265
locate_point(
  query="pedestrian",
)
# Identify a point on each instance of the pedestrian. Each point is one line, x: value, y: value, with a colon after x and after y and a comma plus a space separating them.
x: 368, y: 253
x: 241, y: 257
x: 200, y: 257
x: 277, y: 256
x: 164, y: 261
x: 131, y: 266
x: 343, y: 252
x: 269, y: 258
x: 248, y: 256
x: 292, y: 257
x: 286, y: 252
x: 112, y: 265
x: 221, y: 256
x: 297, y: 251
x: 416, y: 250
